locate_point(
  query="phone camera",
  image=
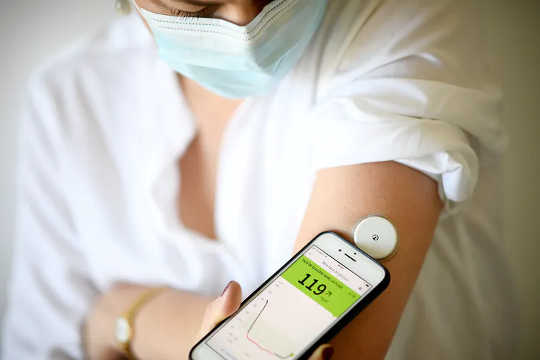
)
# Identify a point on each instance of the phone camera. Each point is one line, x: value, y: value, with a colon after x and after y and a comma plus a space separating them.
x: 339, y: 249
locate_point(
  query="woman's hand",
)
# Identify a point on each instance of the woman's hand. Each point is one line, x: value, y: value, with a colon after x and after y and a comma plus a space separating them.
x: 228, y: 303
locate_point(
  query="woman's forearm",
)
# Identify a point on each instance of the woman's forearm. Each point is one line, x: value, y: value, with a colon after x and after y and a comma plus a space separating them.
x: 164, y: 328
x: 167, y: 326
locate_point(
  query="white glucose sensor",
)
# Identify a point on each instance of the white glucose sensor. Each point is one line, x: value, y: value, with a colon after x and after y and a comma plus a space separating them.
x: 376, y: 236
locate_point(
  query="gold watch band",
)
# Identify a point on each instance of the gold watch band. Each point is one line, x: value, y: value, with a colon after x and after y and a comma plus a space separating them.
x: 125, y: 324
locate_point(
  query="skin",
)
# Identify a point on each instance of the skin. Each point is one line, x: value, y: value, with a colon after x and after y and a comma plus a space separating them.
x: 168, y: 325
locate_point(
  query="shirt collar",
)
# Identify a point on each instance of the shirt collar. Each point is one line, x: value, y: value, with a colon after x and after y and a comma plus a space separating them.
x: 171, y: 125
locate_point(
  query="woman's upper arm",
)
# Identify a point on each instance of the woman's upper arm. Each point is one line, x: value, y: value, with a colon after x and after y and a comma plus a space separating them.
x: 409, y: 198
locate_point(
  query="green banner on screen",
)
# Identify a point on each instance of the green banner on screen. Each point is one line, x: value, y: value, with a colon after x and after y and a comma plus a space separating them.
x: 320, y: 285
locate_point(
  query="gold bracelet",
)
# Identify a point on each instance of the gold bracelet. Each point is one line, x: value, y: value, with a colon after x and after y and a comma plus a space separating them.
x: 125, y: 324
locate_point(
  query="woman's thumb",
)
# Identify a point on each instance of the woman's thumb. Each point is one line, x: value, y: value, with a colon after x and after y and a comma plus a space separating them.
x: 229, y: 301
x: 222, y: 307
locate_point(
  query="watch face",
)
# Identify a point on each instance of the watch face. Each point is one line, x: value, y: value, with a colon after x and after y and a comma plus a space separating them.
x: 123, y: 330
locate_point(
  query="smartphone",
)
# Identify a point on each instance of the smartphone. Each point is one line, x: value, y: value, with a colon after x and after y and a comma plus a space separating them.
x: 304, y: 304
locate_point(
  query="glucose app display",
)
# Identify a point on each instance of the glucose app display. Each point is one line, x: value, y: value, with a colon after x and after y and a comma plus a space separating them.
x: 291, y: 311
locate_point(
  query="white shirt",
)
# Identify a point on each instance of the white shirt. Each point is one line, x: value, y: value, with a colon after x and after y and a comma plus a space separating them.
x: 394, y: 80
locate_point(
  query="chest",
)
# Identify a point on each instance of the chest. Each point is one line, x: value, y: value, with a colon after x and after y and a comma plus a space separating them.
x: 198, y: 165
x: 247, y: 180
x: 197, y: 188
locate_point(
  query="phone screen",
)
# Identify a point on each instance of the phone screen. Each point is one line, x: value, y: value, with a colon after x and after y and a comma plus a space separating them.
x: 292, y: 311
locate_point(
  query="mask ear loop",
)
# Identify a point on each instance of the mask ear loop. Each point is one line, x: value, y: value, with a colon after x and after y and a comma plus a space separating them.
x: 376, y: 236
x: 122, y: 7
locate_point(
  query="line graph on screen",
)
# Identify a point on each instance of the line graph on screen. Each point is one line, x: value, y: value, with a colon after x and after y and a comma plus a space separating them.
x: 260, y: 346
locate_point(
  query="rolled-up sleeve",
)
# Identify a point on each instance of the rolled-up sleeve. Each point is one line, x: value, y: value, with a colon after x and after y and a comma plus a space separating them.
x: 411, y: 84
x: 50, y: 289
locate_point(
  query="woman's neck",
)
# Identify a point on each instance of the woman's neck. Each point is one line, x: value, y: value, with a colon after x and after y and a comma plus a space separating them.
x: 211, y: 112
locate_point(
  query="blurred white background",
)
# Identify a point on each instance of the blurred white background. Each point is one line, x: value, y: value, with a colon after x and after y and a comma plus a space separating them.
x: 31, y: 31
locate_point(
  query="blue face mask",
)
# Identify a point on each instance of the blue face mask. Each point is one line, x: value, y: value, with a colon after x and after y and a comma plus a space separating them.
x: 238, y: 61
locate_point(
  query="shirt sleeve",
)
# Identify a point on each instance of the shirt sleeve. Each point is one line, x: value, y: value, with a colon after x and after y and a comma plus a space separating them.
x: 50, y: 289
x: 408, y: 81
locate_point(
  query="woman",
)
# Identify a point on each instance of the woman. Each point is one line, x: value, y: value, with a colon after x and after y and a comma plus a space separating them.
x: 254, y: 126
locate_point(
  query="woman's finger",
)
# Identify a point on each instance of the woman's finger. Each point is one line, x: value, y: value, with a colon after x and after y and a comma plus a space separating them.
x: 221, y: 307
x: 323, y: 352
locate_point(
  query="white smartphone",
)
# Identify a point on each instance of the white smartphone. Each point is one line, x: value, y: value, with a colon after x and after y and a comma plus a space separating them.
x: 304, y: 304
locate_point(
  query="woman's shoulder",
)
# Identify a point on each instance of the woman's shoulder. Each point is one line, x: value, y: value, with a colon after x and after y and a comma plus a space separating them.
x: 92, y: 92
x: 413, y: 39
x: 93, y: 74
x: 113, y: 46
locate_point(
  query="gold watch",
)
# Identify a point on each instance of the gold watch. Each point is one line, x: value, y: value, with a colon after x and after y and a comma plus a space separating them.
x: 125, y: 329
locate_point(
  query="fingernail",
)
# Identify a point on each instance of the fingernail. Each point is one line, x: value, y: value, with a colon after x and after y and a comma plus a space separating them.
x: 327, y: 353
x: 226, y: 288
